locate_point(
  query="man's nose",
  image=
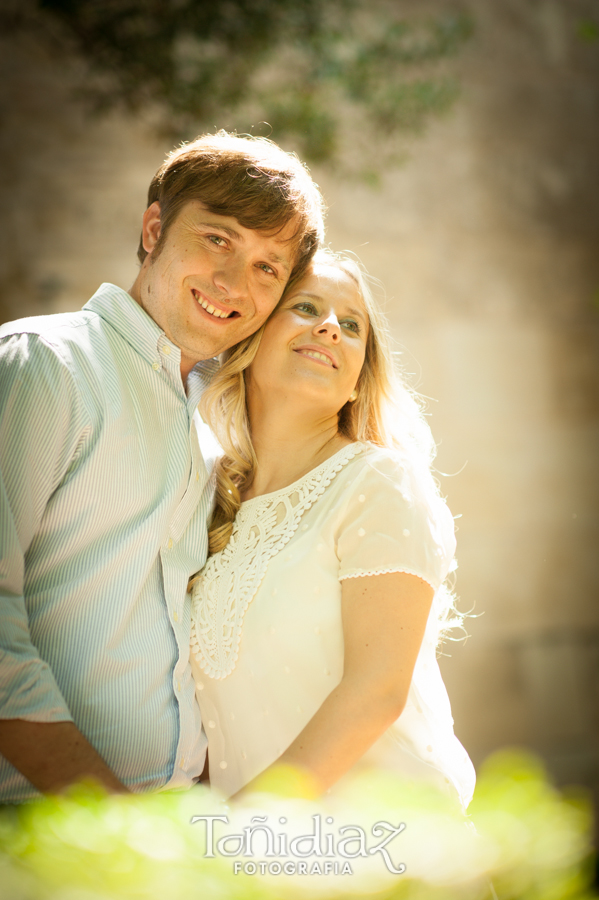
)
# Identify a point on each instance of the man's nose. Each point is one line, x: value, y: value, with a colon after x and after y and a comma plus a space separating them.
x: 231, y: 278
x: 329, y: 326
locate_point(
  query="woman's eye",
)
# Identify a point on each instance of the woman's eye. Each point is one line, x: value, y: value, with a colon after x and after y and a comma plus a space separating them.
x: 217, y: 239
x: 351, y: 325
x: 266, y: 268
x: 306, y: 307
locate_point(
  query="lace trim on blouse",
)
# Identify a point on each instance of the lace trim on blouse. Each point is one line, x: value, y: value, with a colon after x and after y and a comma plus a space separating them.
x: 388, y: 571
x: 230, y: 579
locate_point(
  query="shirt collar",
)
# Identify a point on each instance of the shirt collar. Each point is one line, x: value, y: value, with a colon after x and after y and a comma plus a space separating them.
x: 120, y: 310
x: 141, y: 332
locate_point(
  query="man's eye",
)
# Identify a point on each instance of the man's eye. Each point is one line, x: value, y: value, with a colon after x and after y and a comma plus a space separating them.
x: 216, y: 239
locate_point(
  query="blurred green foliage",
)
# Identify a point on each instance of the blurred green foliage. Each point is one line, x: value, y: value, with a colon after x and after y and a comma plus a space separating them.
x: 588, y: 30
x: 312, y: 72
x: 532, y: 842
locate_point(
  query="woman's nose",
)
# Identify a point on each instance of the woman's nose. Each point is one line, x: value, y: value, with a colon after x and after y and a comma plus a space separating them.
x: 329, y: 326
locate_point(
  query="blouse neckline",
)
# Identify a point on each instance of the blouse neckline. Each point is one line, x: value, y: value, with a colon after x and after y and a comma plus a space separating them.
x: 350, y: 449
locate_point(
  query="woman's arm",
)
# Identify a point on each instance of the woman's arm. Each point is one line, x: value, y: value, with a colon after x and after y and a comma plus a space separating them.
x: 384, y: 619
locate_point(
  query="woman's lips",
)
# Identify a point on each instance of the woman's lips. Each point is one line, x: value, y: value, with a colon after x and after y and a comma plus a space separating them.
x: 321, y: 356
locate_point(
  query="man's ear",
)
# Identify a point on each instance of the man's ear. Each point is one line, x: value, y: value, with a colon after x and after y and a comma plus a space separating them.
x: 150, y: 231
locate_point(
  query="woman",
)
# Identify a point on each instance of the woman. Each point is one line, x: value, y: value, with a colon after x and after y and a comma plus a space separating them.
x: 316, y: 618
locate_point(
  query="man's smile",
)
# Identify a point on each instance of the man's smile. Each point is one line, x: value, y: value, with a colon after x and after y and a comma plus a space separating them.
x: 211, y: 309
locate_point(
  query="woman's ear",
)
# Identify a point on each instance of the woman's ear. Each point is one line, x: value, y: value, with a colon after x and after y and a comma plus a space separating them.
x: 150, y: 232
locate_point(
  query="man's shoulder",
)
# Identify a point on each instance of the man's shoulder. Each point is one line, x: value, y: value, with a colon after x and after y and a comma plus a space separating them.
x: 56, y: 326
x: 70, y: 337
x: 50, y: 346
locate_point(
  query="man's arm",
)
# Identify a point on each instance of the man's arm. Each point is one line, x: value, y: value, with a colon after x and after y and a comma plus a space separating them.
x: 40, y: 423
x: 52, y: 755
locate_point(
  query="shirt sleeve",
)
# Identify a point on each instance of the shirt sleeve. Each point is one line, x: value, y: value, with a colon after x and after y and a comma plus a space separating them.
x: 40, y: 426
x: 394, y: 521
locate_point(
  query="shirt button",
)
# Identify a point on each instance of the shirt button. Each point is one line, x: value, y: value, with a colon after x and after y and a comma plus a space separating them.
x: 178, y: 685
x: 176, y: 616
x: 223, y: 764
x: 361, y: 532
x: 200, y: 686
x: 156, y: 366
x: 170, y: 544
x: 361, y: 498
x: 406, y: 532
x: 197, y: 476
x: 166, y: 350
x: 182, y: 763
x: 211, y: 724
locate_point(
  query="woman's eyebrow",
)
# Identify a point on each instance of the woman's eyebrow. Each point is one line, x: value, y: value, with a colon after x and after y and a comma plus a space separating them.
x: 358, y: 313
x: 306, y: 294
x: 350, y: 309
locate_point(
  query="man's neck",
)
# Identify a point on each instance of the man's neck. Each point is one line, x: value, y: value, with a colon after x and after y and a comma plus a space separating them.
x: 186, y: 364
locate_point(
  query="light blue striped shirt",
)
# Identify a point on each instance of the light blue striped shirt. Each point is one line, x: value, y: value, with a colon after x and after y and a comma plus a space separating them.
x: 103, y: 512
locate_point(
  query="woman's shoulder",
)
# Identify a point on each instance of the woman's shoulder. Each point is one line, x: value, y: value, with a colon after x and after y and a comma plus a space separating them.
x: 387, y: 468
x: 396, y: 483
x: 393, y: 518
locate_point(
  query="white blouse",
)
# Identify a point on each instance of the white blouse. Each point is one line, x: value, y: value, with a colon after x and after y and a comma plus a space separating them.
x: 267, y: 639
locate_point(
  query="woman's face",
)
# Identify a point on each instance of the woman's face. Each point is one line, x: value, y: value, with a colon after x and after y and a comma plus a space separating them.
x: 314, y: 344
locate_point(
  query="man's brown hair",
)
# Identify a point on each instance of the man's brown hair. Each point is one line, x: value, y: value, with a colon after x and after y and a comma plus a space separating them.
x: 251, y: 179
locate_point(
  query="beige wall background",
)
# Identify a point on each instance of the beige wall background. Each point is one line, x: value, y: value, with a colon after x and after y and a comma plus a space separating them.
x: 486, y: 242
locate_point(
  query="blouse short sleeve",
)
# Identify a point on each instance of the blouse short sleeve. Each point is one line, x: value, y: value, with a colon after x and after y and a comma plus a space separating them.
x: 394, y: 521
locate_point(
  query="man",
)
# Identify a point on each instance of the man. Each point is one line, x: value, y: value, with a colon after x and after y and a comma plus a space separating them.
x: 102, y: 507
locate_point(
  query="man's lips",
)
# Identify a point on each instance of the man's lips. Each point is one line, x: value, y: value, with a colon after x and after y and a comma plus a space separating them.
x: 319, y: 354
x: 217, y: 312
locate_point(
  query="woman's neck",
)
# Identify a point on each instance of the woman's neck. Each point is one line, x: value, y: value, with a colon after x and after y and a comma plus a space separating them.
x: 288, y: 445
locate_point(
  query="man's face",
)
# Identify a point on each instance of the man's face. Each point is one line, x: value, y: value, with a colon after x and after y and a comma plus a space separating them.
x: 213, y: 282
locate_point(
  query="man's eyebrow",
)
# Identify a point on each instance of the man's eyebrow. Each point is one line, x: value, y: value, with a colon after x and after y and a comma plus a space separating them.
x: 279, y: 260
x: 230, y: 232
x: 218, y: 226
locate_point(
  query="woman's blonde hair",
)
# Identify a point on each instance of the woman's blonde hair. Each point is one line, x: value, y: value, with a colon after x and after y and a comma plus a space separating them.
x: 386, y: 412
